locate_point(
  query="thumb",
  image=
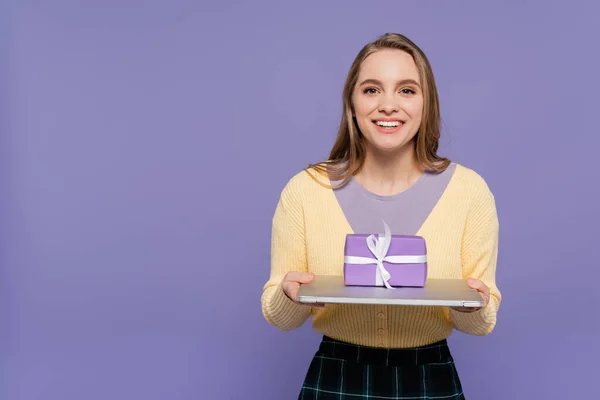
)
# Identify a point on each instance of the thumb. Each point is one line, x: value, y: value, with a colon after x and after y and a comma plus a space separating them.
x: 476, y: 284
x: 306, y: 277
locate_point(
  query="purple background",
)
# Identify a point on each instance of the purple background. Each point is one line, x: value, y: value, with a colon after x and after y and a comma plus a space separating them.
x: 144, y: 146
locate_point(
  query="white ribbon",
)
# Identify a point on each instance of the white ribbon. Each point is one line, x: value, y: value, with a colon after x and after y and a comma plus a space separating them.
x: 379, y: 247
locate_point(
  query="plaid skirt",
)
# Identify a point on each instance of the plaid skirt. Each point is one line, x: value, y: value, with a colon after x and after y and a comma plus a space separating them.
x: 345, y: 371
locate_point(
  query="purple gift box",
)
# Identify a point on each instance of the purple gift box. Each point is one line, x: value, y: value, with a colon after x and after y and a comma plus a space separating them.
x: 403, y: 261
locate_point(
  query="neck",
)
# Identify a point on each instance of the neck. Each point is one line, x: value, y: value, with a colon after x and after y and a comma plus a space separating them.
x: 389, y: 173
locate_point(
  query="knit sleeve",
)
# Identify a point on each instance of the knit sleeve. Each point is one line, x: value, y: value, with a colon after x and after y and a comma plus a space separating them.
x: 479, y: 254
x: 288, y: 253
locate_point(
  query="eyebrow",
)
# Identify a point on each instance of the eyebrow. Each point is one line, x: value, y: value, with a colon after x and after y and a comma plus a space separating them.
x: 401, y: 82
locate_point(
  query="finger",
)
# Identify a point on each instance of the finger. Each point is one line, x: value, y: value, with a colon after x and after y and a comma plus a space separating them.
x: 466, y: 309
x: 478, y: 285
x: 486, y: 298
x: 291, y: 289
x: 482, y: 288
x: 300, y: 277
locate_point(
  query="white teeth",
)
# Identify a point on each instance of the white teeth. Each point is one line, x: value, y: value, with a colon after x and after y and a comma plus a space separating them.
x: 388, y: 124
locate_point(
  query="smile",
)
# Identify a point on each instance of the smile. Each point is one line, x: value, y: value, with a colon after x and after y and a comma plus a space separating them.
x: 388, y: 126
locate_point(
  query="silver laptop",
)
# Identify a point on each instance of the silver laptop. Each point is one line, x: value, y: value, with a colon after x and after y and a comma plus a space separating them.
x: 437, y: 292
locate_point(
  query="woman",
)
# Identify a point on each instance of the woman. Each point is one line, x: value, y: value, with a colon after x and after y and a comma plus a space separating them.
x: 384, y: 165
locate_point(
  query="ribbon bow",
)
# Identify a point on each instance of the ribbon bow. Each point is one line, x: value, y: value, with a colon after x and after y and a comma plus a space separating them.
x: 379, y: 246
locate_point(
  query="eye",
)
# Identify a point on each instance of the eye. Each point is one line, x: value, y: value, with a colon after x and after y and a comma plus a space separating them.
x: 370, y: 90
x: 407, y: 91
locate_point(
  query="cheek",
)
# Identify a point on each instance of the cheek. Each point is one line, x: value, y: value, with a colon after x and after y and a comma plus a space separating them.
x: 364, y: 107
x: 415, y: 109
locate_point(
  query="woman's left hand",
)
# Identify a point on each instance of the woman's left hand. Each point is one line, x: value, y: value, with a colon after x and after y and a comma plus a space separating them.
x: 483, y: 290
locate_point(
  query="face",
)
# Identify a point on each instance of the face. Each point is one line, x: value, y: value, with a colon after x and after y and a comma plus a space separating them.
x: 388, y: 100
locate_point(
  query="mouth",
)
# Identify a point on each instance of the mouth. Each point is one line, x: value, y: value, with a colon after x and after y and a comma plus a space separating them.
x: 388, y: 125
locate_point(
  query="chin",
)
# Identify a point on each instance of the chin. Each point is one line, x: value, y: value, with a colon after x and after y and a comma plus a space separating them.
x: 390, y: 146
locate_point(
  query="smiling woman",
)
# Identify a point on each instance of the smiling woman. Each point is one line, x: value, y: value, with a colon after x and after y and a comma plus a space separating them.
x: 390, y: 103
x: 391, y: 80
x: 384, y: 165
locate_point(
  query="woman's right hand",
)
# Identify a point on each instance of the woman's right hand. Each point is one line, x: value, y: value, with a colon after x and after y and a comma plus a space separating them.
x: 291, y: 284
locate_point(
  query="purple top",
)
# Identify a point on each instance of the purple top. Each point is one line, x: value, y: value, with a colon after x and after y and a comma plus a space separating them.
x: 404, y: 212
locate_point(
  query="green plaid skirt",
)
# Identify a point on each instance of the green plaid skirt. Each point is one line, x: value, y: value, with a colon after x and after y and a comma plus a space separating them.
x: 345, y: 371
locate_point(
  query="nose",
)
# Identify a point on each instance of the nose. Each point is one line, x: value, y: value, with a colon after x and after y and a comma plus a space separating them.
x: 388, y: 105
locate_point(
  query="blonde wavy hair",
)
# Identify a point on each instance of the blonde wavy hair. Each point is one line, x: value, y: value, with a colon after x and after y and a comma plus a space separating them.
x: 348, y: 152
